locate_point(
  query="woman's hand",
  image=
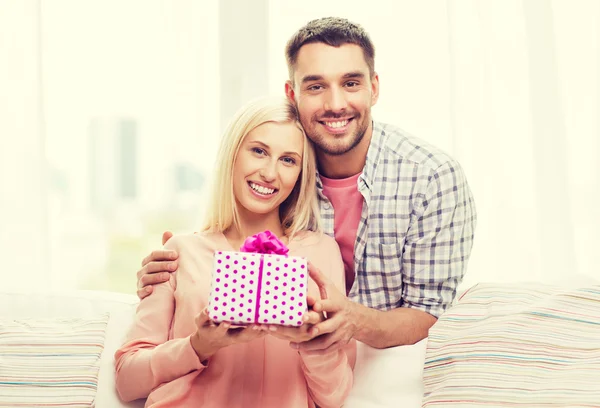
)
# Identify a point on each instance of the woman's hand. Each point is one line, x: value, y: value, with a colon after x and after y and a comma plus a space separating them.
x: 211, y: 337
x: 303, y: 333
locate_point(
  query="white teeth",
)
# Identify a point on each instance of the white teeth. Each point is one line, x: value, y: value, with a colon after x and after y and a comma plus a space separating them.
x: 337, y: 124
x: 261, y: 189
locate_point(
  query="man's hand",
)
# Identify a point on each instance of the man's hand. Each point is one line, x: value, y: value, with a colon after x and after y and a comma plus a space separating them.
x: 211, y: 337
x: 340, y: 326
x: 303, y: 333
x: 156, y: 268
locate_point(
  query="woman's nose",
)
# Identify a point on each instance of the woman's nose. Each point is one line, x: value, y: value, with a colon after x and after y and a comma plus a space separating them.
x: 269, y: 171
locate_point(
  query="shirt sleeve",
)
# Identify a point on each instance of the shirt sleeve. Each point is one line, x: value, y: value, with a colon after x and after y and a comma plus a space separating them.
x: 329, y: 376
x: 438, y: 244
x: 148, y: 358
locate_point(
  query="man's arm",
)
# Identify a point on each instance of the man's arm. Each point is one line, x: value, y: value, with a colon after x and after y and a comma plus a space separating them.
x: 397, y: 327
x: 438, y: 242
x: 347, y: 320
x: 435, y: 254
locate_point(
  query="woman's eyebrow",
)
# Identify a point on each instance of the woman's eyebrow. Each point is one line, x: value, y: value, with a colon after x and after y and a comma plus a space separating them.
x: 266, y: 147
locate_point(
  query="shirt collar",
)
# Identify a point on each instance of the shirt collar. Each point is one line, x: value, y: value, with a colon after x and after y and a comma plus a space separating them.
x: 373, y: 153
x: 375, y: 149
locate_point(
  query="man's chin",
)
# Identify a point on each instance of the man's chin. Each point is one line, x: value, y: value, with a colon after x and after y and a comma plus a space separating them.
x: 335, y: 149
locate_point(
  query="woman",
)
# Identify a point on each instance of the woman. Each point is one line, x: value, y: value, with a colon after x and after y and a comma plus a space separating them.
x: 174, y: 354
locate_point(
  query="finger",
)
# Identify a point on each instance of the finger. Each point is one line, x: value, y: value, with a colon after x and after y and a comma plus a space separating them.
x: 327, y: 305
x: 223, y: 327
x: 157, y: 267
x: 160, y: 255
x: 166, y: 236
x: 203, y: 319
x: 279, y: 331
x: 142, y: 293
x: 154, y: 267
x: 328, y: 326
x: 312, y: 317
x: 160, y: 266
x: 294, y: 334
x: 320, y: 279
x: 310, y: 300
x: 153, y: 279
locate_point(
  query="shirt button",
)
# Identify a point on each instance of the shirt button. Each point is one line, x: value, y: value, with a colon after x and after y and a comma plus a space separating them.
x: 327, y: 206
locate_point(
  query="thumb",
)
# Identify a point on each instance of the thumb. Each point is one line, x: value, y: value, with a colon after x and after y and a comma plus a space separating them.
x: 202, y: 319
x: 310, y: 300
x: 166, y: 236
x: 321, y: 280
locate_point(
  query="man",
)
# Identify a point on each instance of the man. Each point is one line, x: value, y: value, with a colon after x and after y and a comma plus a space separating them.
x: 400, y: 210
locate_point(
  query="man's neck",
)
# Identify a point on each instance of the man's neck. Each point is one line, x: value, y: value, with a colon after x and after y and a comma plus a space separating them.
x: 347, y: 164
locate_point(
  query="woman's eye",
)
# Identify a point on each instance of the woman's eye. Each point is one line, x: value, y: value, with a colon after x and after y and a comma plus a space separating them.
x: 288, y: 160
x: 258, y: 150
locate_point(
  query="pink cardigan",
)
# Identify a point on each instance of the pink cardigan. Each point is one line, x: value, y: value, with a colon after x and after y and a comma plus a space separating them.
x: 158, y: 362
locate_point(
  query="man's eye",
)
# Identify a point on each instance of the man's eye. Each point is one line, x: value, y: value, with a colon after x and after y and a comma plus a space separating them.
x: 315, y: 87
x: 351, y: 84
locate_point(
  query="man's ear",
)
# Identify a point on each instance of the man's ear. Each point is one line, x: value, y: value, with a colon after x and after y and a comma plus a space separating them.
x: 289, y: 92
x: 374, y: 88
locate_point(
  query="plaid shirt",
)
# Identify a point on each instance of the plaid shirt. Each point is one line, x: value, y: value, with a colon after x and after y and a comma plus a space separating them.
x: 417, y: 224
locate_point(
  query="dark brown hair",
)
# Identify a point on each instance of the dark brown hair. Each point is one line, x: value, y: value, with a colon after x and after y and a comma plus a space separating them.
x: 333, y: 31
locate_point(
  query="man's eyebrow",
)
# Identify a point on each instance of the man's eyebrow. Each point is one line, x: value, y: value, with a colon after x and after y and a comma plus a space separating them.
x: 266, y: 147
x: 353, y: 74
x: 309, y: 78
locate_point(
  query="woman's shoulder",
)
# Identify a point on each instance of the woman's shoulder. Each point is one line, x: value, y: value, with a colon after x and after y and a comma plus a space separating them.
x: 315, y: 240
x: 194, y: 241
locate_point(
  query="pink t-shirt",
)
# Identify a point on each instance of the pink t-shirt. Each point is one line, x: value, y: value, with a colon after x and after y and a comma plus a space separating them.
x: 347, y: 203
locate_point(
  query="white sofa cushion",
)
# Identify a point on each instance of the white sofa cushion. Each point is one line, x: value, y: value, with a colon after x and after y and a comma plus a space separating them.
x: 41, y: 358
x: 525, y: 344
x: 383, y: 378
x: 389, y: 377
x: 81, y: 304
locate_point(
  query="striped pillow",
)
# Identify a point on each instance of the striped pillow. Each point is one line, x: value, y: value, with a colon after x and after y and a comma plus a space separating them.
x: 50, y: 362
x: 530, y: 345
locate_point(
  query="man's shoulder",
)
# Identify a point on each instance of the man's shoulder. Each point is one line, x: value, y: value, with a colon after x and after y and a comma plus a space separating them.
x: 405, y: 147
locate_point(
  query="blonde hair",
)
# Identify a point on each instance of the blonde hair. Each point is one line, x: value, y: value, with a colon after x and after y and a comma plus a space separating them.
x: 300, y: 210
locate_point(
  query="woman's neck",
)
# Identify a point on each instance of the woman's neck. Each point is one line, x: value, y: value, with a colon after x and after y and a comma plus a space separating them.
x: 251, y: 224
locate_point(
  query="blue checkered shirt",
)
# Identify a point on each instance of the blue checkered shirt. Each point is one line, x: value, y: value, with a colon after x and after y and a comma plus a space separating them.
x: 417, y: 223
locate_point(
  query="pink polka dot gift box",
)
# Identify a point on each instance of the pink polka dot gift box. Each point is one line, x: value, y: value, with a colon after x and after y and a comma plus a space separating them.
x: 259, y: 284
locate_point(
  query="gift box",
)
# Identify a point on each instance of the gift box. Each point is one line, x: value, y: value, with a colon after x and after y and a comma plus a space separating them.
x: 260, y: 284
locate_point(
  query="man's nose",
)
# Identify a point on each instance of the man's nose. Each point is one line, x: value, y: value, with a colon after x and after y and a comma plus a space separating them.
x: 336, y: 100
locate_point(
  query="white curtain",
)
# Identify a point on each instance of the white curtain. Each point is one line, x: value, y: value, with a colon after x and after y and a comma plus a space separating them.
x: 23, y: 210
x: 524, y: 107
x: 510, y: 88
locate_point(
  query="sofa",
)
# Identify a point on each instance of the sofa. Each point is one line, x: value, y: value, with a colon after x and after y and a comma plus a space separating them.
x: 383, y: 378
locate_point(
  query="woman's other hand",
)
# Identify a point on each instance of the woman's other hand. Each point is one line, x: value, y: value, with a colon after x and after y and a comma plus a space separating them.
x: 211, y: 337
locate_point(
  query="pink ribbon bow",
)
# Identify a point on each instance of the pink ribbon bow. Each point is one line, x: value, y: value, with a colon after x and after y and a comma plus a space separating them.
x: 264, y: 243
